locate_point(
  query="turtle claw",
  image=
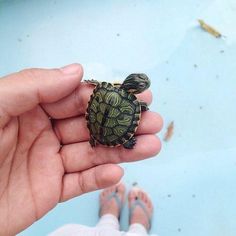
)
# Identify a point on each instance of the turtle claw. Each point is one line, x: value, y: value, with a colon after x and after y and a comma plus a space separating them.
x: 144, y: 106
x: 91, y: 81
x: 92, y: 142
x: 130, y: 143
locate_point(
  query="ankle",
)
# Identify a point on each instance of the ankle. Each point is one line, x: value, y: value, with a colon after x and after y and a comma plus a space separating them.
x: 110, y: 211
x: 140, y: 221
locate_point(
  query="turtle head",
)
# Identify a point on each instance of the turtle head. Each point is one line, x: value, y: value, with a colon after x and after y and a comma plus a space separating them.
x: 136, y: 83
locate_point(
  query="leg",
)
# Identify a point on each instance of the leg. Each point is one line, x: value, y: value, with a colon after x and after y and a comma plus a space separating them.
x: 144, y: 106
x: 73, y: 229
x: 92, y: 141
x: 108, y: 221
x: 111, y: 202
x: 130, y: 143
x: 141, y: 210
x: 138, y: 230
x: 92, y: 81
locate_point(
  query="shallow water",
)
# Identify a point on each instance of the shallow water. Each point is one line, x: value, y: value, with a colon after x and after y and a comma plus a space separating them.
x: 192, y: 181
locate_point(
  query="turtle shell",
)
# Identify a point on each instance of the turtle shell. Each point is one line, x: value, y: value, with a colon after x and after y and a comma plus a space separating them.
x: 113, y: 114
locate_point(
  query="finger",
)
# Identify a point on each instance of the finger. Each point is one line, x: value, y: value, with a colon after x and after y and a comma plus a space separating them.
x: 98, y: 177
x: 81, y: 156
x: 7, y: 138
x: 76, y: 103
x: 75, y: 129
x: 22, y: 91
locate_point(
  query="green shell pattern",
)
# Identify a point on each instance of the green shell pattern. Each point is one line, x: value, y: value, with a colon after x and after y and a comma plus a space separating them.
x: 112, y: 115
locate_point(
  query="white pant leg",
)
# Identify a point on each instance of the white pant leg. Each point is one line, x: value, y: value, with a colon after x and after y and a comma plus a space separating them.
x: 73, y: 230
x: 81, y: 230
x: 108, y: 221
x: 108, y: 225
x: 137, y: 229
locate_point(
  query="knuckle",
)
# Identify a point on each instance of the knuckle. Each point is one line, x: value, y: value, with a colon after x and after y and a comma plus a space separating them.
x: 36, y: 73
x: 82, y: 184
x: 64, y: 158
x: 97, y: 181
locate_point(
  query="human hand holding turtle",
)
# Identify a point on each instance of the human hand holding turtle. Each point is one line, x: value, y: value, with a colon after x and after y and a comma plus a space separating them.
x: 45, y: 154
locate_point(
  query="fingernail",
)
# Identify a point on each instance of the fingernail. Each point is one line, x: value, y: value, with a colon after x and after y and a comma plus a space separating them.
x: 71, y: 69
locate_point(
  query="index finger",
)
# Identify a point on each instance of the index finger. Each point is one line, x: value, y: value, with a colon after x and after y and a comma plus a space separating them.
x: 76, y: 103
x: 22, y: 91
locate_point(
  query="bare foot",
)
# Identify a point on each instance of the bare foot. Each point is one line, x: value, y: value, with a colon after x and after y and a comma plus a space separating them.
x: 139, y: 215
x: 111, y: 206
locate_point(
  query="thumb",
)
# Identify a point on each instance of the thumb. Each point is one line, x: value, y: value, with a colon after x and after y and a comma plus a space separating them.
x: 22, y: 91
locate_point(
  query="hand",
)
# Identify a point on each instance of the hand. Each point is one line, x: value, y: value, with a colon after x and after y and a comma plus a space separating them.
x: 45, y: 157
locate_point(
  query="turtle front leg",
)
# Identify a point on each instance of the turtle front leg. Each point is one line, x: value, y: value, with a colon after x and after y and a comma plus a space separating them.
x: 144, y: 106
x: 92, y: 81
x: 130, y: 143
x: 92, y: 141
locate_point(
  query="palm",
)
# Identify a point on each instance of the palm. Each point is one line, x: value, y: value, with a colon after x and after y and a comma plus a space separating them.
x: 33, y: 177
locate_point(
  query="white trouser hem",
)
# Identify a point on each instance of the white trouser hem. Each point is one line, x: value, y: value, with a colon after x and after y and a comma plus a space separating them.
x: 138, y: 229
x: 108, y: 221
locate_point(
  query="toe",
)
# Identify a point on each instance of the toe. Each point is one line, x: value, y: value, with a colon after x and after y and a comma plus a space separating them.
x: 121, y: 190
x: 150, y: 203
x: 106, y: 192
x: 141, y: 196
x: 132, y: 196
x: 147, y: 201
x: 145, y: 197
x: 110, y: 190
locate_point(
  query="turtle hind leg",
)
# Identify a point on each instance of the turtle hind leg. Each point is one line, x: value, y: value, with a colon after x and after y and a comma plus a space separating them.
x: 92, y: 141
x: 92, y: 81
x: 117, y: 84
x: 130, y: 143
x: 144, y: 106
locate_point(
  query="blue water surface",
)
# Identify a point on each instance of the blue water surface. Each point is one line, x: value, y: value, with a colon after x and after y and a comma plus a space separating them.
x: 193, y: 180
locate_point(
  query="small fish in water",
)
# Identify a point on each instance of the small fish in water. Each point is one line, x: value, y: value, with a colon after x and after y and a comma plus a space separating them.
x: 209, y: 29
x: 170, y: 131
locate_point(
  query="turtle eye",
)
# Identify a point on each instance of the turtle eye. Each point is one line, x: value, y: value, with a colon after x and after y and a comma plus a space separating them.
x: 142, y: 85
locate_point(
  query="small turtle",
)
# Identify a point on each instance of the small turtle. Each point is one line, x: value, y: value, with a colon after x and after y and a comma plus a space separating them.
x: 113, y: 112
